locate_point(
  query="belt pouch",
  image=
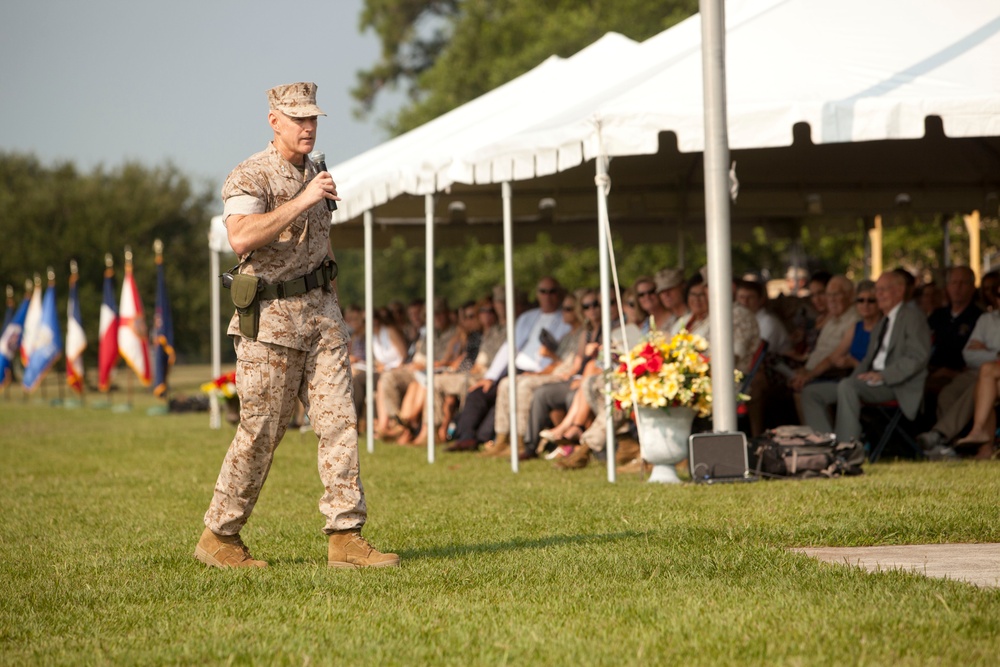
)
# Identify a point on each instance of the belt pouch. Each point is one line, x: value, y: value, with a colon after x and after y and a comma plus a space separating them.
x: 246, y: 297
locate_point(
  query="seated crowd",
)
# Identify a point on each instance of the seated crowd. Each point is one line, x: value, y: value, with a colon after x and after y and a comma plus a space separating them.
x: 816, y: 354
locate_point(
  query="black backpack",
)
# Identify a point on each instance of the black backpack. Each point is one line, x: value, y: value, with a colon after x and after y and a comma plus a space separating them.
x: 800, y: 452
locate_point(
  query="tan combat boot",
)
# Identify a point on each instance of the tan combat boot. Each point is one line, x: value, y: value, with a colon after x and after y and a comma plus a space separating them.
x: 349, y: 549
x: 224, y: 551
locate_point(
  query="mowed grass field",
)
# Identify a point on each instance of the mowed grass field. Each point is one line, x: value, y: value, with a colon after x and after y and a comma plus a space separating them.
x: 100, y: 512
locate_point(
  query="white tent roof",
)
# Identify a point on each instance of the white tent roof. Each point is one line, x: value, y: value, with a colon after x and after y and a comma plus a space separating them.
x: 854, y: 70
x: 829, y: 83
x: 418, y: 162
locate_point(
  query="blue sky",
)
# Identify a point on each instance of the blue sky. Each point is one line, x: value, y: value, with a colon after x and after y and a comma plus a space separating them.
x: 105, y: 81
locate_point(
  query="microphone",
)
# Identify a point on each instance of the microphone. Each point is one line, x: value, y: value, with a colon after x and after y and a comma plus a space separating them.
x: 320, y: 160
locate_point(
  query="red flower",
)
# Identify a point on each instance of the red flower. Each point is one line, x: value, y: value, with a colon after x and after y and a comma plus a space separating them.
x: 654, y: 364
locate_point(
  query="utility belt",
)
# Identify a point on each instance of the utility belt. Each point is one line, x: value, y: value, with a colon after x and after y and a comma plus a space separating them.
x: 248, y: 291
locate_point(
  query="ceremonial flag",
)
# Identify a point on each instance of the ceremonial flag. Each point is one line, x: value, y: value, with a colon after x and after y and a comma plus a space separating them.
x: 133, y: 345
x: 76, y: 339
x: 48, y: 340
x: 31, y: 322
x: 107, y: 354
x: 10, y: 340
x: 163, y: 327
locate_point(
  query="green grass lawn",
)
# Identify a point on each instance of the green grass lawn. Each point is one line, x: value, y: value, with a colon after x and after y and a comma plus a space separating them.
x: 100, y: 512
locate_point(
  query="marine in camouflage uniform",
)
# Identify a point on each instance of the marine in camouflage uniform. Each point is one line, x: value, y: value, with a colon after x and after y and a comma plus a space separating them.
x: 301, y: 348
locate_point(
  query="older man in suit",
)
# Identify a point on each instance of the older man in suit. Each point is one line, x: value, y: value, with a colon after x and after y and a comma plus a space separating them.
x: 894, y: 369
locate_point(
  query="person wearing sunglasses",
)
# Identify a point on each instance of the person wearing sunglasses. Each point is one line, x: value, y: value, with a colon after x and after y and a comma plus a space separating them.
x: 649, y: 301
x: 565, y: 362
x: 474, y: 425
x: 853, y: 343
x: 670, y: 291
x: 894, y: 367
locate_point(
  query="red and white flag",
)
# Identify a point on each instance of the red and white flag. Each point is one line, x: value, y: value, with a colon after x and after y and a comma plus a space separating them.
x: 107, y: 355
x: 76, y: 338
x: 133, y: 337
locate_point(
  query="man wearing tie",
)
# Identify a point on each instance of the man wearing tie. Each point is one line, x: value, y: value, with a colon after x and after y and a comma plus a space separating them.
x: 894, y: 369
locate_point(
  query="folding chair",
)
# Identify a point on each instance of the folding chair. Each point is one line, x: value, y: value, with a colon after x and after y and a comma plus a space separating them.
x: 892, y: 416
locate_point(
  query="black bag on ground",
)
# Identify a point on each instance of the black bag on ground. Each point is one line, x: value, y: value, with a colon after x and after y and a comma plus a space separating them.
x: 800, y: 452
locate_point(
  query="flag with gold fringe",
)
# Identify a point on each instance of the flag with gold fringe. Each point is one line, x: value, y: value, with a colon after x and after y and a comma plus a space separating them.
x: 163, y: 327
x: 133, y: 344
x: 76, y: 338
x: 107, y: 353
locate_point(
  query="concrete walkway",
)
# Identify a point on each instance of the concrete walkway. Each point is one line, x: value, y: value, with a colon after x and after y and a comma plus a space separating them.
x: 978, y: 564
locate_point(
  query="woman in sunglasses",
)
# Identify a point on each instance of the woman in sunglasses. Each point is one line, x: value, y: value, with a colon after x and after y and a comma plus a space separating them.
x: 853, y: 344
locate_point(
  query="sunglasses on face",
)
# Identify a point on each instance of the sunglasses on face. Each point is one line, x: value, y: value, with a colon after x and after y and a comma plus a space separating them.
x: 646, y: 293
x: 587, y: 305
x: 546, y: 290
x: 865, y: 300
x: 568, y: 309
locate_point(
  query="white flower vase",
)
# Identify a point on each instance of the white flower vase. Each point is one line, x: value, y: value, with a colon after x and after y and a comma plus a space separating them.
x: 663, y: 440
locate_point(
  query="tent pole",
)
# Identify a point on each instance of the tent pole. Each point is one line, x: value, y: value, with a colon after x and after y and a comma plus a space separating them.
x: 875, y: 236
x: 972, y: 224
x: 215, y: 419
x: 508, y: 272
x: 717, y: 225
x: 369, y: 333
x: 429, y: 313
x: 603, y: 248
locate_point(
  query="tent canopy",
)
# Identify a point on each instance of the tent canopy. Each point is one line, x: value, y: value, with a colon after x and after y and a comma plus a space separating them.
x: 849, y: 104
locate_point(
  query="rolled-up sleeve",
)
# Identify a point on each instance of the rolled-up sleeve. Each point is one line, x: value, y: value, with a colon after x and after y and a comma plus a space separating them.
x: 242, y: 205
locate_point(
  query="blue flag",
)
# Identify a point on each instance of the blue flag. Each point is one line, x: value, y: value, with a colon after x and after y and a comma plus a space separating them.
x: 163, y: 332
x: 10, y: 342
x: 48, y: 342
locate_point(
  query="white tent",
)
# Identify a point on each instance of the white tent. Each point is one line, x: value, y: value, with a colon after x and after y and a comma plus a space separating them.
x: 418, y: 162
x: 806, y: 75
x: 853, y: 70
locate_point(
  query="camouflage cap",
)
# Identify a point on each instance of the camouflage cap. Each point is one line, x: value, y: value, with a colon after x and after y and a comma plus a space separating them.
x: 669, y: 279
x: 297, y: 100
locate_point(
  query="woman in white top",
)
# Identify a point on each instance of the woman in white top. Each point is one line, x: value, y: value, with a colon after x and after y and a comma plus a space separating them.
x: 696, y: 321
x: 388, y: 352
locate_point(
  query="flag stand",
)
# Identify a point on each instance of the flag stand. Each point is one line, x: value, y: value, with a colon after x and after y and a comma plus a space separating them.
x: 160, y: 410
x: 59, y: 400
x: 127, y: 405
x: 105, y: 402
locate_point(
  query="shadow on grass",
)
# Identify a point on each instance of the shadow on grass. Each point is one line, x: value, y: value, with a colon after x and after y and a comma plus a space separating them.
x: 453, y: 550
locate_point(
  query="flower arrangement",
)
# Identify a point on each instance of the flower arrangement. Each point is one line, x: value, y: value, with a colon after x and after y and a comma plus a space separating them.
x: 223, y: 386
x: 668, y: 373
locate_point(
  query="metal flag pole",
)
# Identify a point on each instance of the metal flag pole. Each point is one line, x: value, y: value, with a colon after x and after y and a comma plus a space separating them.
x: 717, y: 224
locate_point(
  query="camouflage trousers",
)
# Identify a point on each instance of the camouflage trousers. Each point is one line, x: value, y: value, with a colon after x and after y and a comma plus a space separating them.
x: 270, y: 379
